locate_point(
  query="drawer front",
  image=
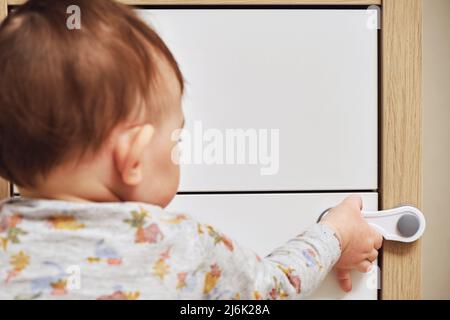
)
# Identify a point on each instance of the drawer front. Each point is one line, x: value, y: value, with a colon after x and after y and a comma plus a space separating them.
x: 263, y: 222
x: 301, y: 85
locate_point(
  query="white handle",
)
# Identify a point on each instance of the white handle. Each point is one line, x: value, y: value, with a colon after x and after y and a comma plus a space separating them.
x: 404, y: 224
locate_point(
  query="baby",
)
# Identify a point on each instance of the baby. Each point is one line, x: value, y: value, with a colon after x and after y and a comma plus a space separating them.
x: 86, y: 123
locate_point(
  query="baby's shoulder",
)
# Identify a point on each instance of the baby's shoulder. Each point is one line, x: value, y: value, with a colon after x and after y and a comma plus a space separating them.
x: 149, y: 214
x: 154, y: 212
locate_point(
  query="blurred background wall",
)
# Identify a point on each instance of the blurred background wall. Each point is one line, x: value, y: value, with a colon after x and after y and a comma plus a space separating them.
x: 436, y: 139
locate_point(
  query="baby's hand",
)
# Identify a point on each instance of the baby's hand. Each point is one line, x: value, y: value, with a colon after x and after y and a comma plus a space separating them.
x: 359, y: 241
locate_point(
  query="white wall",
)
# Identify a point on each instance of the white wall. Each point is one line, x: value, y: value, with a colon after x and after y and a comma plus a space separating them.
x: 436, y: 166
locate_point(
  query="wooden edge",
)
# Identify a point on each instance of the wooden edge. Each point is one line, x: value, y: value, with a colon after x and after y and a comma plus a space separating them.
x: 5, y: 191
x: 401, y: 139
x: 4, y: 185
x: 3, y: 9
x: 187, y: 2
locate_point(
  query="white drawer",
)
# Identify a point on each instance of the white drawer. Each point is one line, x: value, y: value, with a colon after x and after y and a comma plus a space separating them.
x: 262, y: 222
x: 311, y: 74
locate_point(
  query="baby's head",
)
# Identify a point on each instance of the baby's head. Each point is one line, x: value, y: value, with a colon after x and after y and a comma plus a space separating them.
x: 87, y: 114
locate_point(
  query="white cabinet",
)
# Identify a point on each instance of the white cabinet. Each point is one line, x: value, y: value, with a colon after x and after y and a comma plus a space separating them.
x: 264, y: 221
x: 296, y: 91
x: 305, y: 78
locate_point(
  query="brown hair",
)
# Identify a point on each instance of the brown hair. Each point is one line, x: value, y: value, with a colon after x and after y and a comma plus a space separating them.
x: 63, y: 90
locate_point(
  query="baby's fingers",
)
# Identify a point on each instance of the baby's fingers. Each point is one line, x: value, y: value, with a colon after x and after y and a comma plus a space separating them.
x: 344, y: 279
x: 378, y: 240
x: 364, y: 266
x: 373, y: 255
x: 354, y: 201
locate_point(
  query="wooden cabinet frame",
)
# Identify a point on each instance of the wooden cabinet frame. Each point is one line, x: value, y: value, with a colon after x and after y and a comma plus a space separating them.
x: 400, y: 123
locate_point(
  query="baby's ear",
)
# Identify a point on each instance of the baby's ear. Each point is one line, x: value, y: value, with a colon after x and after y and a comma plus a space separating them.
x: 129, y: 150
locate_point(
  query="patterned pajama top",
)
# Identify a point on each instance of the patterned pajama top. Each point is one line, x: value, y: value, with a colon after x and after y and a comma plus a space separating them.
x: 52, y: 249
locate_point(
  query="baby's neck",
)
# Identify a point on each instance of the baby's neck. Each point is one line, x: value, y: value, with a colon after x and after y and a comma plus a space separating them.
x: 99, y: 195
x: 90, y: 182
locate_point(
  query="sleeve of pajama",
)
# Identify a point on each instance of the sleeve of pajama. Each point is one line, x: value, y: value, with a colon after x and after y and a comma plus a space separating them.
x: 292, y: 271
